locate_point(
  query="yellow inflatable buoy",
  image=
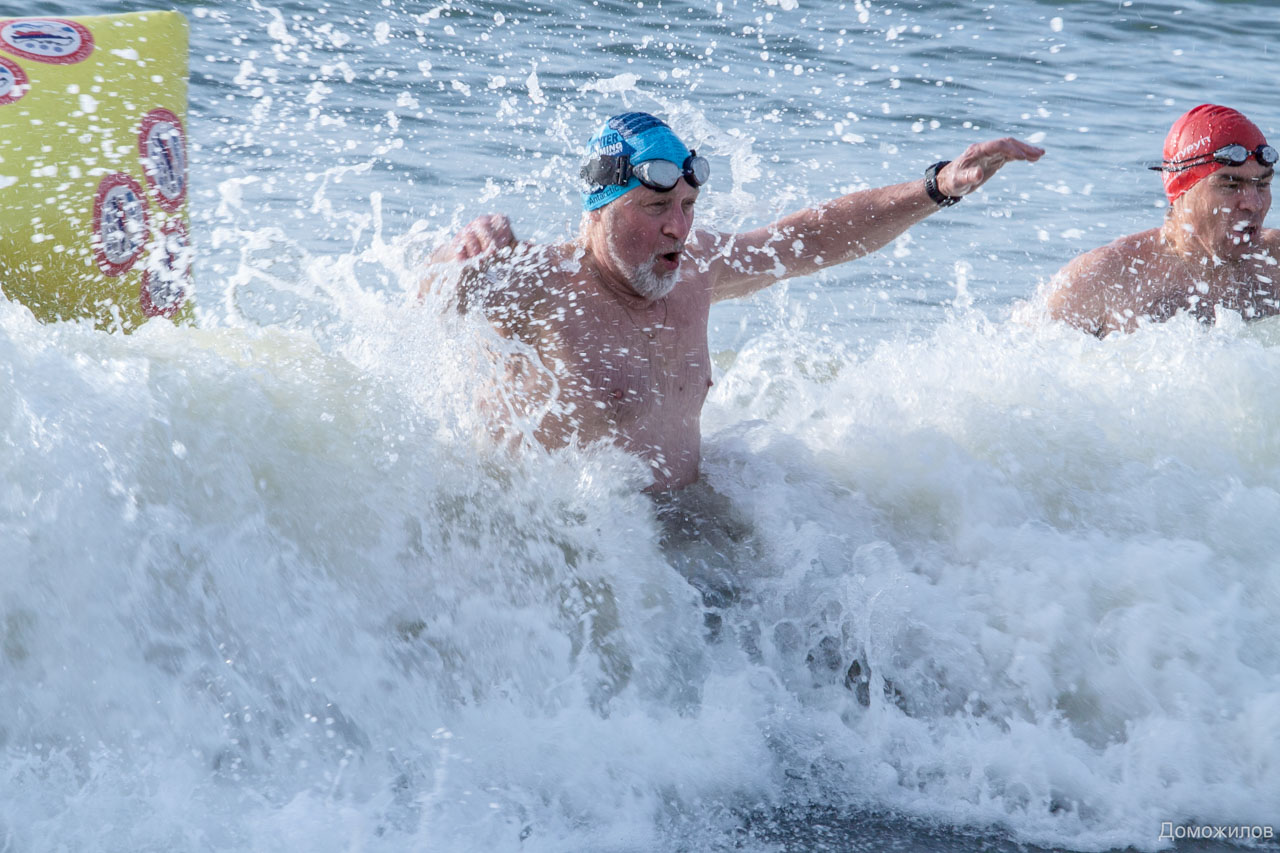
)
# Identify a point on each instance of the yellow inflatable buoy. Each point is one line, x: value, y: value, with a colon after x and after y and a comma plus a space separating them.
x: 93, y: 167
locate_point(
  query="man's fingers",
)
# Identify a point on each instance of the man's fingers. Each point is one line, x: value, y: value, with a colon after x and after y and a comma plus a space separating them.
x: 980, y: 161
x: 471, y: 246
x: 484, y: 237
x: 481, y: 237
x: 1018, y: 150
x: 500, y: 227
x: 495, y: 230
x: 1007, y: 149
x: 1032, y: 152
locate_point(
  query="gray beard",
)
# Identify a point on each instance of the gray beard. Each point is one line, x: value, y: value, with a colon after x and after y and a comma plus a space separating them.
x: 642, y: 279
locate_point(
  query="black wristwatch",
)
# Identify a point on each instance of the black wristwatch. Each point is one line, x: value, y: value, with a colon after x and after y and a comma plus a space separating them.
x: 931, y: 186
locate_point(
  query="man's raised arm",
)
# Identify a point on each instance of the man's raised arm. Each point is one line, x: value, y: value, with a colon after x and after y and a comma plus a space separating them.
x: 853, y: 225
x: 470, y: 251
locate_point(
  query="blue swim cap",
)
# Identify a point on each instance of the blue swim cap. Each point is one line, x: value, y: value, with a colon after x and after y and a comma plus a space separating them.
x: 642, y: 137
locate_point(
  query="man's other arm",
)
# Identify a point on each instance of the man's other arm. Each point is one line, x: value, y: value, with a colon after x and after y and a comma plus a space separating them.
x: 850, y: 226
x: 467, y: 254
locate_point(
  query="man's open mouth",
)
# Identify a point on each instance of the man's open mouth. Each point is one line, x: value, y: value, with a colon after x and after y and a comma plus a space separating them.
x: 1245, y: 233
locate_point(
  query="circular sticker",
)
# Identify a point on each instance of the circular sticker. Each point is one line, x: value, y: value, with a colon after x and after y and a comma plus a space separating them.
x: 119, y: 224
x: 13, y: 81
x: 163, y: 147
x: 54, y: 40
x: 168, y: 274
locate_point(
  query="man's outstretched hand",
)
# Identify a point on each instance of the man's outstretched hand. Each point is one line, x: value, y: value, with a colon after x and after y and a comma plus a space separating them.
x: 980, y: 161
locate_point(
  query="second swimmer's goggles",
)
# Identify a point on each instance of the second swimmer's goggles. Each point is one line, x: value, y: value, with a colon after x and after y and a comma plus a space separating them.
x: 1229, y: 155
x: 606, y: 170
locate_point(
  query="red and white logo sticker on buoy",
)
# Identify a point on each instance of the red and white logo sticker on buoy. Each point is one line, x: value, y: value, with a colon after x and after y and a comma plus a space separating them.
x: 163, y: 146
x: 168, y: 275
x: 13, y: 81
x: 119, y: 224
x: 54, y: 40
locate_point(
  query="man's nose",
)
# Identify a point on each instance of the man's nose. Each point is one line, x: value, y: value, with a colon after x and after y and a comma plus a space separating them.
x: 677, y: 222
x: 1254, y: 197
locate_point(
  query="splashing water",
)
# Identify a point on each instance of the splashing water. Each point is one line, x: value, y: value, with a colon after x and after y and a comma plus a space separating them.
x: 954, y: 575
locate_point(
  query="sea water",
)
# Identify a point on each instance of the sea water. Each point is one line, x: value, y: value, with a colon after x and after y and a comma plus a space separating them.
x: 956, y: 578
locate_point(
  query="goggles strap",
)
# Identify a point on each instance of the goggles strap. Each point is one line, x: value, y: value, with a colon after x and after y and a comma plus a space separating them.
x: 606, y: 170
x: 1219, y: 157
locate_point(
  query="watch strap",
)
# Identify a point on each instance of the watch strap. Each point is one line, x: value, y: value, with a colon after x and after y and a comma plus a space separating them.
x: 931, y: 186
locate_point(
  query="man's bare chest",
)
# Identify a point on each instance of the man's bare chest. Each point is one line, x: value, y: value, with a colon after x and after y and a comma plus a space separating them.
x: 622, y: 370
x: 1177, y: 286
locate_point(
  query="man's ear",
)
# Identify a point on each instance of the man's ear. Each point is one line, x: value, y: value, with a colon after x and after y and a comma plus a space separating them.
x: 592, y: 219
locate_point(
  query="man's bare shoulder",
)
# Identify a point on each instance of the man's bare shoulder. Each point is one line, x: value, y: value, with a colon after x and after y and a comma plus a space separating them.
x: 1127, y: 254
x: 1092, y: 288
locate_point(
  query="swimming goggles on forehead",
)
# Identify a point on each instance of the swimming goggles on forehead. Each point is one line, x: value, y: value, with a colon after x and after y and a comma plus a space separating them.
x: 606, y: 170
x: 1229, y: 155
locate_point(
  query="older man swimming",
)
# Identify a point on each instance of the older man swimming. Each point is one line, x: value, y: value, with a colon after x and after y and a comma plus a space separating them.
x: 618, y: 318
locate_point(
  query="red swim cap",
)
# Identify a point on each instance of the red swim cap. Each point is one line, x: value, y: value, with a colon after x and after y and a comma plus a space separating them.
x: 1200, y: 132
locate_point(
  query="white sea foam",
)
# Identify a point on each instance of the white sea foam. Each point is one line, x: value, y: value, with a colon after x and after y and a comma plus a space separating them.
x: 340, y: 614
x: 1055, y: 550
